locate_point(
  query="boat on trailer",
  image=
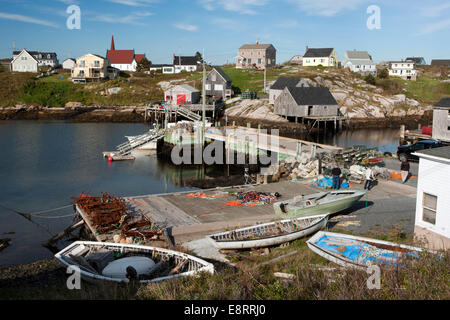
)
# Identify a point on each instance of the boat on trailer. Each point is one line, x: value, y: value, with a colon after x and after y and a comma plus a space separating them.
x: 318, y: 203
x: 116, y: 262
x: 269, y: 234
x: 360, y: 252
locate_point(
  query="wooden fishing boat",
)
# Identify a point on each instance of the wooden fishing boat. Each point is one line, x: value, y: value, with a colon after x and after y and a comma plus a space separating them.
x: 121, y: 262
x: 318, y: 203
x: 269, y: 234
x: 359, y: 252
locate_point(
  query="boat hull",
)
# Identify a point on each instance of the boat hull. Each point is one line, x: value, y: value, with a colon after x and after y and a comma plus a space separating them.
x: 196, y: 265
x: 359, y: 252
x: 321, y: 208
x: 269, y: 241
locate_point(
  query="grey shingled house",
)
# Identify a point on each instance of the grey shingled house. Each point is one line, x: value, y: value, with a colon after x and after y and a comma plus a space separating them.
x: 300, y: 102
x: 218, y: 84
x: 282, y: 82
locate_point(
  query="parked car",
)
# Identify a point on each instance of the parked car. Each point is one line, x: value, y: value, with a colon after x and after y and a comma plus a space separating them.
x: 408, y: 149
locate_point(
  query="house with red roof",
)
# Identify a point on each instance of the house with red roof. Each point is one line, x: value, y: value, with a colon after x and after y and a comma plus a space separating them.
x: 124, y: 60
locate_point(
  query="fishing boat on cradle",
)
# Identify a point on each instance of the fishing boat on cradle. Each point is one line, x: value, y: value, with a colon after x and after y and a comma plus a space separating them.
x: 359, y: 252
x: 269, y: 234
x: 122, y: 262
x: 318, y: 203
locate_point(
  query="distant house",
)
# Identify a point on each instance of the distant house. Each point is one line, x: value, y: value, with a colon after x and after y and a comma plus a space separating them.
x: 326, y: 57
x: 124, y: 60
x: 432, y: 222
x: 43, y: 58
x: 419, y: 61
x: 6, y: 64
x: 441, y: 120
x: 282, y: 82
x: 24, y: 62
x: 298, y: 59
x: 182, y: 94
x: 68, y: 64
x: 440, y: 62
x: 218, y: 84
x: 91, y: 67
x: 360, y: 62
x: 187, y: 63
x: 403, y: 69
x: 300, y: 102
x: 256, y: 55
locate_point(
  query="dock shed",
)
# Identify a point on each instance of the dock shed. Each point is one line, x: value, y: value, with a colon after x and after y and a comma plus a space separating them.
x: 304, y: 102
x: 441, y: 120
x: 218, y: 84
x: 282, y: 82
x: 182, y: 94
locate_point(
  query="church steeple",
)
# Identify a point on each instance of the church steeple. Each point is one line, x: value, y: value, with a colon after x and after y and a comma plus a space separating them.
x: 113, y: 47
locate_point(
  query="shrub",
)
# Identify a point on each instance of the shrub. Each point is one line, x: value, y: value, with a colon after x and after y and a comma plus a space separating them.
x: 370, y: 79
x: 383, y: 74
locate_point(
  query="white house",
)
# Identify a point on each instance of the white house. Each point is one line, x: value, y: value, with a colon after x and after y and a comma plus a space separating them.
x: 68, y: 64
x: 124, y: 60
x: 188, y: 64
x: 403, y: 69
x: 360, y: 62
x: 24, y: 62
x: 433, y: 200
x: 43, y: 58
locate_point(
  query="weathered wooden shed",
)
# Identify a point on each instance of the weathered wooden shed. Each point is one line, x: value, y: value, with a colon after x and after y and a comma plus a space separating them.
x: 218, y: 84
x: 301, y: 102
x: 182, y: 94
x: 441, y: 120
x: 282, y: 82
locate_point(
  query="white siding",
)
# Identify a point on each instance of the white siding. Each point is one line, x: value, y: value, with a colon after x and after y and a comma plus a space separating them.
x: 434, y: 179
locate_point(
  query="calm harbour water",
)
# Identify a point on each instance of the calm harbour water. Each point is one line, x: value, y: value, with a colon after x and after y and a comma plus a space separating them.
x: 44, y: 163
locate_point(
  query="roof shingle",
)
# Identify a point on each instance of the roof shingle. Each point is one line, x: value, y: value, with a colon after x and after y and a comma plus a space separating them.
x: 309, y: 96
x: 318, y: 52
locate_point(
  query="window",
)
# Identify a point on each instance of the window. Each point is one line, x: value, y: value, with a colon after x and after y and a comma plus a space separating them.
x: 259, y: 61
x: 249, y: 61
x: 207, y: 87
x: 96, y: 64
x: 218, y: 87
x: 213, y: 77
x: 429, y: 204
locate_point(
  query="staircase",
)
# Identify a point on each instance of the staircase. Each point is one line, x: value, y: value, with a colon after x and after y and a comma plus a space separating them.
x: 189, y: 114
x: 126, y: 148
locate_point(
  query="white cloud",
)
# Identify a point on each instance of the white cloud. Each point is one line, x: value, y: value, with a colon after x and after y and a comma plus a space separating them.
x: 186, y: 27
x: 128, y: 19
x: 21, y: 18
x: 134, y: 3
x: 239, y: 6
x: 326, y: 8
x: 437, y: 26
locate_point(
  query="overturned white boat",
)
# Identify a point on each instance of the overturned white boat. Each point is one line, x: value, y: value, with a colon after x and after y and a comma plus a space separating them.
x: 122, y: 262
x: 269, y: 234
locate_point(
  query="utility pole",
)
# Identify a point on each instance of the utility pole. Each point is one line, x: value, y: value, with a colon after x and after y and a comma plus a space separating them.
x: 265, y: 69
x: 203, y: 101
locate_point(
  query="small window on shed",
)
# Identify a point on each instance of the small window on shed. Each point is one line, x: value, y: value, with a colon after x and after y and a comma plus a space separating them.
x: 429, y: 204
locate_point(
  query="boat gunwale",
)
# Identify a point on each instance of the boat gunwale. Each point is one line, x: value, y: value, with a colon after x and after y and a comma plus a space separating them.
x: 206, y: 266
x: 356, y: 194
x: 319, y: 217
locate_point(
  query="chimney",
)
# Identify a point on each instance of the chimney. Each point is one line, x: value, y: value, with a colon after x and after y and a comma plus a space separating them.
x: 307, y: 49
x: 257, y: 42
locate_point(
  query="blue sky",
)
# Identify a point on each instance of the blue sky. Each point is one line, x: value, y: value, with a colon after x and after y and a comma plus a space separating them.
x: 159, y: 28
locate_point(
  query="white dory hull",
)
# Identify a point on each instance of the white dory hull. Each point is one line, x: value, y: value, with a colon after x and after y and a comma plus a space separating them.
x: 194, y: 264
x: 230, y: 239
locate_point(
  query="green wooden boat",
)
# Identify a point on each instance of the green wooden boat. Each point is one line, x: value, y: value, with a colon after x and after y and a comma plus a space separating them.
x: 318, y: 203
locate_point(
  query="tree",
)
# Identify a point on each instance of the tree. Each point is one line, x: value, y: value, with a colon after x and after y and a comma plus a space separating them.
x: 199, y: 56
x: 143, y: 65
x: 383, y: 74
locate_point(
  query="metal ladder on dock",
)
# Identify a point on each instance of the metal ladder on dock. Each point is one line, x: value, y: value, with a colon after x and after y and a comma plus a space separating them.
x: 136, y: 142
x: 189, y: 114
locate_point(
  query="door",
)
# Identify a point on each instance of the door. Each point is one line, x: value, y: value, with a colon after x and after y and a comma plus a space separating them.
x: 181, y: 99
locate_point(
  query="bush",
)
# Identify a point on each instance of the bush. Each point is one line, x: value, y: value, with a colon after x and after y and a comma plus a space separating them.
x: 370, y: 79
x: 383, y: 74
x: 390, y: 86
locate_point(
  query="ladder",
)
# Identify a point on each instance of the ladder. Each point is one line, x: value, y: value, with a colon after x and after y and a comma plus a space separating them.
x: 136, y: 142
x: 189, y: 114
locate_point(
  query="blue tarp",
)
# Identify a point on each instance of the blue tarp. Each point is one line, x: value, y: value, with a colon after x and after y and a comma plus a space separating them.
x: 327, y: 183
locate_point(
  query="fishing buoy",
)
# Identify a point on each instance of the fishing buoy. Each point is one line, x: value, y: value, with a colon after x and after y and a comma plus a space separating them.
x: 110, y: 159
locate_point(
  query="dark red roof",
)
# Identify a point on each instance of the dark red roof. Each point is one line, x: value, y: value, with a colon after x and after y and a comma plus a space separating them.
x: 120, y: 56
x: 139, y: 57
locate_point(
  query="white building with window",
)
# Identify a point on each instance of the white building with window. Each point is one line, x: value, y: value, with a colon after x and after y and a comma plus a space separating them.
x: 403, y: 69
x: 24, y: 62
x: 433, y: 200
